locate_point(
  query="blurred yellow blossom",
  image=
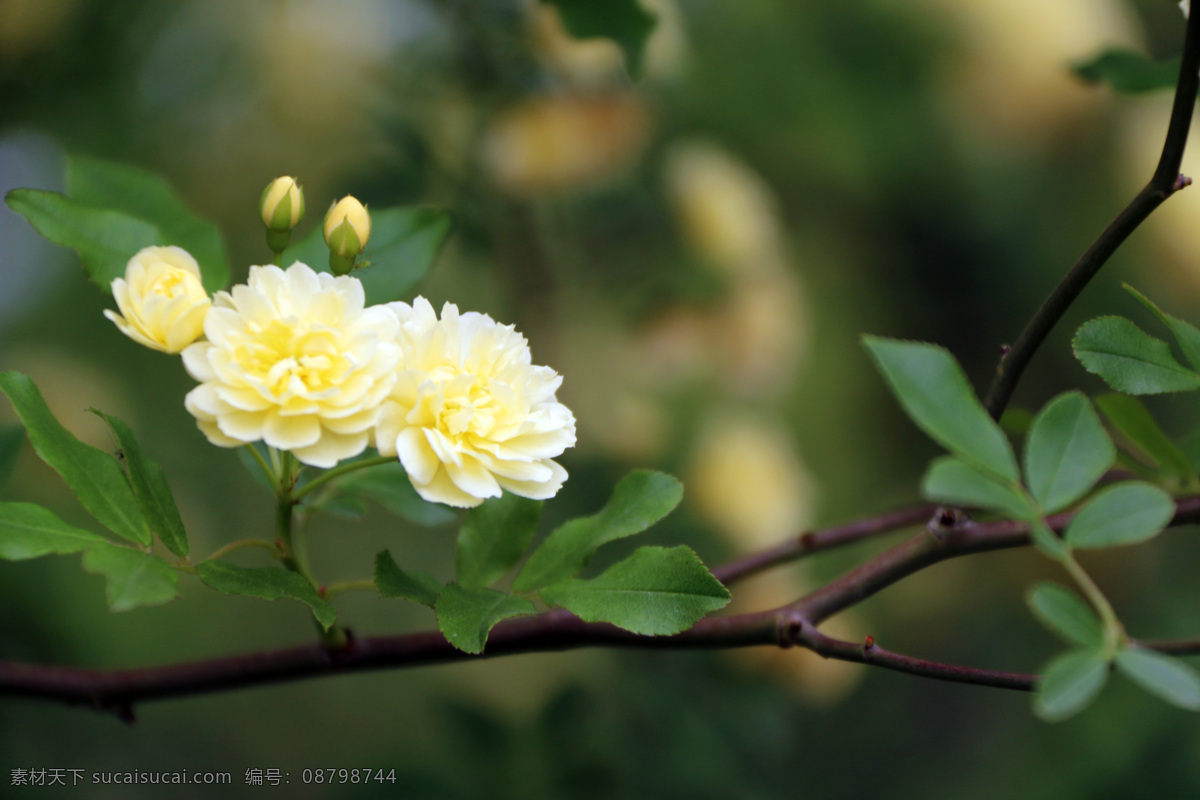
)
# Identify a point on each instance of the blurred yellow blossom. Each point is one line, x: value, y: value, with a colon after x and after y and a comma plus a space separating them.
x: 747, y: 480
x: 726, y: 211
x: 561, y: 142
x: 293, y: 359
x: 162, y: 301
x: 470, y: 415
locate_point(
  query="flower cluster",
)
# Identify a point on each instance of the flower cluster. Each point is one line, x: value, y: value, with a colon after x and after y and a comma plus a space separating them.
x: 295, y: 359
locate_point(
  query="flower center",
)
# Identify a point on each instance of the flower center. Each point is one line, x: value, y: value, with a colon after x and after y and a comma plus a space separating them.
x: 291, y: 359
x: 458, y: 403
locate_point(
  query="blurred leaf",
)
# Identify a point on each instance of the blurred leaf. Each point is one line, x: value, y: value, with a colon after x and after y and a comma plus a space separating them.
x: 493, y: 537
x: 389, y: 486
x: 104, y: 239
x: 340, y: 504
x: 655, y: 591
x: 150, y: 489
x: 1066, y: 453
x: 405, y: 242
x: 1190, y: 445
x: 94, y: 476
x: 1126, y: 513
x: 1161, y: 675
x: 30, y: 531
x: 147, y: 196
x: 936, y: 395
x: 1016, y: 421
x: 1064, y: 613
x: 1130, y: 417
x: 1128, y: 71
x: 465, y: 616
x: 1185, y: 333
x: 135, y: 578
x: 640, y: 499
x: 624, y: 21
x: 1130, y: 360
x: 1047, y: 541
x: 393, y: 582
x: 12, y: 439
x: 268, y: 583
x: 1069, y: 683
x: 950, y: 480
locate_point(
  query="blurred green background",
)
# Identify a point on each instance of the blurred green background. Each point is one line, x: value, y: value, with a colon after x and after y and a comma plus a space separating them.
x: 697, y: 253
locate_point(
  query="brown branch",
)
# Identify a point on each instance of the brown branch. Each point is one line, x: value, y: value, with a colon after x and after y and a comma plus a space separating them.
x: 815, y: 541
x: 1164, y: 183
x: 118, y: 690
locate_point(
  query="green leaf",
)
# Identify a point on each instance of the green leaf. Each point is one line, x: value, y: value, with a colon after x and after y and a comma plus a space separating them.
x: 934, y: 392
x: 268, y: 583
x: 389, y: 486
x: 94, y: 476
x: 104, y: 239
x: 135, y: 578
x: 1130, y: 360
x: 655, y: 591
x: 1016, y: 421
x: 150, y: 489
x: 1185, y: 333
x: 493, y: 538
x: 1061, y: 610
x: 1128, y: 71
x: 466, y: 616
x: 393, y: 582
x: 12, y: 439
x: 1069, y: 683
x: 405, y: 242
x: 1130, y: 417
x: 1125, y: 513
x: 147, y: 196
x: 624, y: 21
x: 1161, y: 675
x: 950, y: 480
x: 30, y: 531
x: 642, y: 498
x: 1046, y: 541
x: 1066, y: 453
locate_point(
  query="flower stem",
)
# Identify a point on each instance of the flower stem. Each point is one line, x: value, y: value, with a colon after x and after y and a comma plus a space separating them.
x: 1114, y: 632
x: 338, y: 472
x: 272, y: 477
x: 362, y: 585
x: 241, y: 543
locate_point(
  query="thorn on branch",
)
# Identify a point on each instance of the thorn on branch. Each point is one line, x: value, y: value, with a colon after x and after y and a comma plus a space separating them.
x: 806, y: 541
x: 124, y: 711
x: 1005, y: 349
x: 869, y: 643
x: 1181, y: 182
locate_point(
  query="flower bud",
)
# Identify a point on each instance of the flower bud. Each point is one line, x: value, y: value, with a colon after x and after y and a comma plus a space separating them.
x: 347, y: 227
x: 162, y: 301
x: 282, y: 205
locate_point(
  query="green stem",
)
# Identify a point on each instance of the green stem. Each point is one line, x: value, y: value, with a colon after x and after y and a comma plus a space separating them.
x: 272, y: 476
x: 338, y: 472
x: 241, y: 543
x: 1114, y: 632
x: 362, y: 585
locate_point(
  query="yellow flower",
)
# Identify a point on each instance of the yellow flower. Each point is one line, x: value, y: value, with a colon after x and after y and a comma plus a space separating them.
x: 469, y: 414
x: 347, y: 227
x: 293, y: 359
x: 282, y: 204
x: 163, y: 304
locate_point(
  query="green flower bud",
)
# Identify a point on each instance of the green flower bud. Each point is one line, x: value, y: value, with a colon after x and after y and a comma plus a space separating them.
x: 282, y: 205
x: 347, y: 228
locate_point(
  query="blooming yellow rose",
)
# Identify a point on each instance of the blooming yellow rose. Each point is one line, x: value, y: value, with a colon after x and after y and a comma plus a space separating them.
x: 469, y: 414
x: 163, y: 304
x: 293, y: 359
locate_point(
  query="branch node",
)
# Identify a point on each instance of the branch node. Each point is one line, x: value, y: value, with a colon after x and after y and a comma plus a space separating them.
x: 807, y: 541
x: 869, y: 643
x: 945, y: 521
x: 1181, y: 182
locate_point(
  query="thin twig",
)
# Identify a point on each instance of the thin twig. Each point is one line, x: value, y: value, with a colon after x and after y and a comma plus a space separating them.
x: 815, y: 541
x: 118, y: 690
x: 1165, y: 182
